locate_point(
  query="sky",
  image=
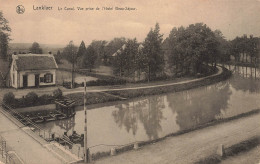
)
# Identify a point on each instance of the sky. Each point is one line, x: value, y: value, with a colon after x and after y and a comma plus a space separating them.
x: 232, y: 17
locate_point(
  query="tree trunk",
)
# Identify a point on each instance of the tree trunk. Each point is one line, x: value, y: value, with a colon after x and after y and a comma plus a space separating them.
x: 72, y: 75
x: 149, y: 73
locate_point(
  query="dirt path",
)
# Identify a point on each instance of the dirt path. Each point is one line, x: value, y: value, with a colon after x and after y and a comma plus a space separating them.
x: 192, y: 146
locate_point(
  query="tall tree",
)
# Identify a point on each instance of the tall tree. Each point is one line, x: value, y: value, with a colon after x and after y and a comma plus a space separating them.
x: 35, y: 48
x: 99, y: 46
x: 112, y: 47
x: 192, y: 47
x: 58, y: 57
x: 154, y: 57
x: 82, y: 49
x: 4, y: 35
x: 70, y: 54
x: 125, y: 62
x: 89, y: 58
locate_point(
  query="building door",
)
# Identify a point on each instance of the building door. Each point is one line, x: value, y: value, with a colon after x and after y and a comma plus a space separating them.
x: 37, y: 79
x: 25, y: 80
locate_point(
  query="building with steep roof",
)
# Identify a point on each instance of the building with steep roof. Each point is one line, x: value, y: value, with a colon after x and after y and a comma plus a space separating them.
x: 32, y: 70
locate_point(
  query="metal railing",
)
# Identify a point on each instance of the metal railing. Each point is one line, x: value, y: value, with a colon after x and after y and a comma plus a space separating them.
x: 62, y: 140
x: 5, y: 157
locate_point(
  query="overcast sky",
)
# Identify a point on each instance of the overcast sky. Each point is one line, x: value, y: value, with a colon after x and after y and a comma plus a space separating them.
x: 232, y: 17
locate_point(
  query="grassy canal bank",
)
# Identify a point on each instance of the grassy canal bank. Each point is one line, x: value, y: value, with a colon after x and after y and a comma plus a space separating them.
x: 120, y: 94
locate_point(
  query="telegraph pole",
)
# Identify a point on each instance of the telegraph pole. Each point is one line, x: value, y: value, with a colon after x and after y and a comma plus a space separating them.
x: 86, y: 160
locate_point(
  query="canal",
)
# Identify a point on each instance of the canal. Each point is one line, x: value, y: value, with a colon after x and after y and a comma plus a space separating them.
x: 152, y: 117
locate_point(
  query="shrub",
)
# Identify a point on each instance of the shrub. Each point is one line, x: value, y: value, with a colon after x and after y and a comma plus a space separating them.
x: 57, y: 93
x: 102, y: 82
x: 45, y: 99
x: 9, y: 98
x: 31, y: 98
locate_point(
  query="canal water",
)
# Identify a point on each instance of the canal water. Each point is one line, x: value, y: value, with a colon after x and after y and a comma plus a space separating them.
x: 152, y: 117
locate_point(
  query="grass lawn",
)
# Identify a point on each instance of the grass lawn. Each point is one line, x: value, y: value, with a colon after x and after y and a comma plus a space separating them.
x: 66, y: 77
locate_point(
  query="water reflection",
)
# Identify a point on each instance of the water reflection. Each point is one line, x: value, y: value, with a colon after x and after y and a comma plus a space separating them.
x: 196, y: 108
x: 66, y: 124
x: 148, y: 112
x: 155, y: 116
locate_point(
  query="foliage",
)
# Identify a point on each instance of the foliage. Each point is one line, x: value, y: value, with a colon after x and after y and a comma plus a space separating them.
x: 58, y: 57
x: 70, y: 52
x: 89, y: 58
x: 31, y: 98
x: 191, y: 47
x: 9, y: 98
x: 57, y: 93
x: 35, y: 49
x: 4, y: 35
x: 153, y: 56
x: 125, y: 59
x: 103, y: 82
x: 45, y: 99
x: 111, y: 48
x: 245, y: 46
x: 99, y: 47
x: 82, y: 49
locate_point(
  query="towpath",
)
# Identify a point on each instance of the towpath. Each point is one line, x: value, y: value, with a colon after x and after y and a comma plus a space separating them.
x: 40, y: 91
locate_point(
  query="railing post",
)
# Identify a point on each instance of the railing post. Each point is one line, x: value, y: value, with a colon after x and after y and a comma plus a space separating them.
x: 78, y: 152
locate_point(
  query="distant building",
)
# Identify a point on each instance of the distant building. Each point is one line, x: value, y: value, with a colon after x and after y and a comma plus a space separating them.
x: 32, y: 70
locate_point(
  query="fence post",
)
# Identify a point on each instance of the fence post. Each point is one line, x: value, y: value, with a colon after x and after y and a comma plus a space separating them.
x: 78, y: 152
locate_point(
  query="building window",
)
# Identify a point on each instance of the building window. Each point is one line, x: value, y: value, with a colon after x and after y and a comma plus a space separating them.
x: 48, y: 78
x: 42, y: 79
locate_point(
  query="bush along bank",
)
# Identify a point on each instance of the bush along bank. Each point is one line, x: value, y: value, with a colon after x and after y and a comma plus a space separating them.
x: 31, y: 99
x: 171, y: 88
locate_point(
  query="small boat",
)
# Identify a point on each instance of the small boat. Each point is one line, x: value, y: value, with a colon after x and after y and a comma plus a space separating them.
x: 39, y: 120
x: 50, y: 118
x: 61, y: 116
x: 76, y: 138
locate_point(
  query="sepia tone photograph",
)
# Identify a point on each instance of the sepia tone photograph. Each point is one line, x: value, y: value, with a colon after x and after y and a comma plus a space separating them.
x: 129, y: 81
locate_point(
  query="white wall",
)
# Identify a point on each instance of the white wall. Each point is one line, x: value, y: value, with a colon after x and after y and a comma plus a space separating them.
x: 31, y: 77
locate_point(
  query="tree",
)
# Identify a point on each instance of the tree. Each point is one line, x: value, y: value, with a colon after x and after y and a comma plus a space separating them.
x: 125, y: 62
x: 70, y: 54
x: 58, y: 57
x: 90, y: 58
x: 99, y: 47
x: 153, y: 53
x: 191, y: 47
x: 4, y: 35
x: 80, y: 54
x: 112, y: 47
x: 35, y: 49
x: 82, y: 49
x: 223, y: 48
